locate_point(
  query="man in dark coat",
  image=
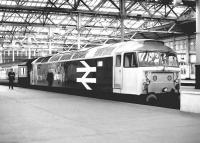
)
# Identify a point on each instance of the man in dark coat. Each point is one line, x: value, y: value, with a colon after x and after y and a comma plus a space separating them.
x: 11, y: 78
x: 50, y: 78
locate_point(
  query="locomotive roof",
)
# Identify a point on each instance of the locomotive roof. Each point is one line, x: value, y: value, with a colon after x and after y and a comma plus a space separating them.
x: 108, y: 50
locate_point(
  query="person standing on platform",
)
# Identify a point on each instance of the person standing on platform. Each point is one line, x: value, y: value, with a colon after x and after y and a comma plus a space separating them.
x: 50, y: 78
x: 11, y: 78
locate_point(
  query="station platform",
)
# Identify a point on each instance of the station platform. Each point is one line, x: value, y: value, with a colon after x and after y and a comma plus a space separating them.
x: 188, y: 82
x: 34, y: 116
x: 190, y: 99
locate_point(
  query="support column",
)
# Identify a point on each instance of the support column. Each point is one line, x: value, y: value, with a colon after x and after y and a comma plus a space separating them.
x: 122, y: 17
x: 4, y: 55
x: 13, y: 55
x: 13, y: 51
x: 49, y: 41
x: 1, y: 57
x: 79, y: 30
x: 29, y: 47
x: 1, y: 54
x: 187, y: 56
x: 187, y: 50
x: 174, y: 44
x: 197, y: 69
x: 29, y: 52
x: 1, y: 50
x: 34, y: 53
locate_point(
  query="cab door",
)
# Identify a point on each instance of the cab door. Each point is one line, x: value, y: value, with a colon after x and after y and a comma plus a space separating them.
x: 117, y: 80
x: 130, y: 74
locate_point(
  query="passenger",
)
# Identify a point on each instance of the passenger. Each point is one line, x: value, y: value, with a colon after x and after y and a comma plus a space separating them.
x: 50, y: 78
x: 11, y: 77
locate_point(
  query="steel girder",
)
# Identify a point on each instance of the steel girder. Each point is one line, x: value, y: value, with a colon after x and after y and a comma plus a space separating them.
x: 101, y: 19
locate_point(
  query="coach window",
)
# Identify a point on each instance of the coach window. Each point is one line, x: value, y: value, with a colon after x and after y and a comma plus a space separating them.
x: 130, y: 60
x: 22, y: 71
x: 118, y: 60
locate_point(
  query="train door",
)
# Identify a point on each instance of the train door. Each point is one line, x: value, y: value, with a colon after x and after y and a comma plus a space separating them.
x: 22, y: 73
x: 129, y: 73
x: 32, y: 78
x: 117, y: 80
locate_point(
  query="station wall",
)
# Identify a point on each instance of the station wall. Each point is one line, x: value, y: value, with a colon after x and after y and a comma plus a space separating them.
x: 186, y: 50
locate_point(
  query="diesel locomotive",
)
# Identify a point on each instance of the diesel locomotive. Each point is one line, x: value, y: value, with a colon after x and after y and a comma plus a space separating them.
x: 142, y: 68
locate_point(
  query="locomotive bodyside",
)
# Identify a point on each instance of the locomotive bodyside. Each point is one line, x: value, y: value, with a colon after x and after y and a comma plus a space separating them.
x: 87, y: 74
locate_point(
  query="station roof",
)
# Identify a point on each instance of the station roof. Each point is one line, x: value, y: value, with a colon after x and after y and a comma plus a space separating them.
x: 96, y: 22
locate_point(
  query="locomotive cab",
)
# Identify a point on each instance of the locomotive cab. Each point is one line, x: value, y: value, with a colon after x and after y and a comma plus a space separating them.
x: 152, y: 70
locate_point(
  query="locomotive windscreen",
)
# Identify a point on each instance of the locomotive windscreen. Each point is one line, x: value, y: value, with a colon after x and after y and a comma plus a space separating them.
x: 149, y: 58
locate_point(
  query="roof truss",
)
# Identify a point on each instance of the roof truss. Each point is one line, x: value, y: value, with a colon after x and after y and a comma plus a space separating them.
x: 57, y: 20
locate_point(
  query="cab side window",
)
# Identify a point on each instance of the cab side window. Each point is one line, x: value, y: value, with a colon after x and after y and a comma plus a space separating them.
x: 130, y: 60
x: 118, y: 61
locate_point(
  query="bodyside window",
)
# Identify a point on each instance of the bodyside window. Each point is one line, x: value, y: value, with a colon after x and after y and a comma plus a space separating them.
x: 118, y: 61
x: 130, y: 60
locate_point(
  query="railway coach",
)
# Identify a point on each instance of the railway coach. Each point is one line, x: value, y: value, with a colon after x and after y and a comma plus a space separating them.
x: 22, y: 72
x: 142, y: 68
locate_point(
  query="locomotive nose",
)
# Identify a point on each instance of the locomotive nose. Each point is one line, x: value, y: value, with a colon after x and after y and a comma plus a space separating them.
x: 161, y: 82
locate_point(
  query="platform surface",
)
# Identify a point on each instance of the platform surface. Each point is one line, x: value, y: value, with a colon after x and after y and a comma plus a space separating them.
x: 190, y: 89
x: 190, y: 99
x: 190, y: 82
x: 32, y: 116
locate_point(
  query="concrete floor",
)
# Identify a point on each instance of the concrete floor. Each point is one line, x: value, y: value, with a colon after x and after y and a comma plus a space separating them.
x: 190, y: 99
x: 32, y: 116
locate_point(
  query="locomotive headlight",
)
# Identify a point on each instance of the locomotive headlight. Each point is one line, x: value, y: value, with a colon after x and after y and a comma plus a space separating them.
x: 165, y: 89
x: 176, y: 81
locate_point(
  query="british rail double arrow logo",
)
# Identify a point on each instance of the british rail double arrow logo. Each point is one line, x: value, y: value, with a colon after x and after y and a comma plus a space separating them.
x: 84, y: 80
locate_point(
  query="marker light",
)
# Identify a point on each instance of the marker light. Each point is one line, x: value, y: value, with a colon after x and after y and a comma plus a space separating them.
x: 165, y: 89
